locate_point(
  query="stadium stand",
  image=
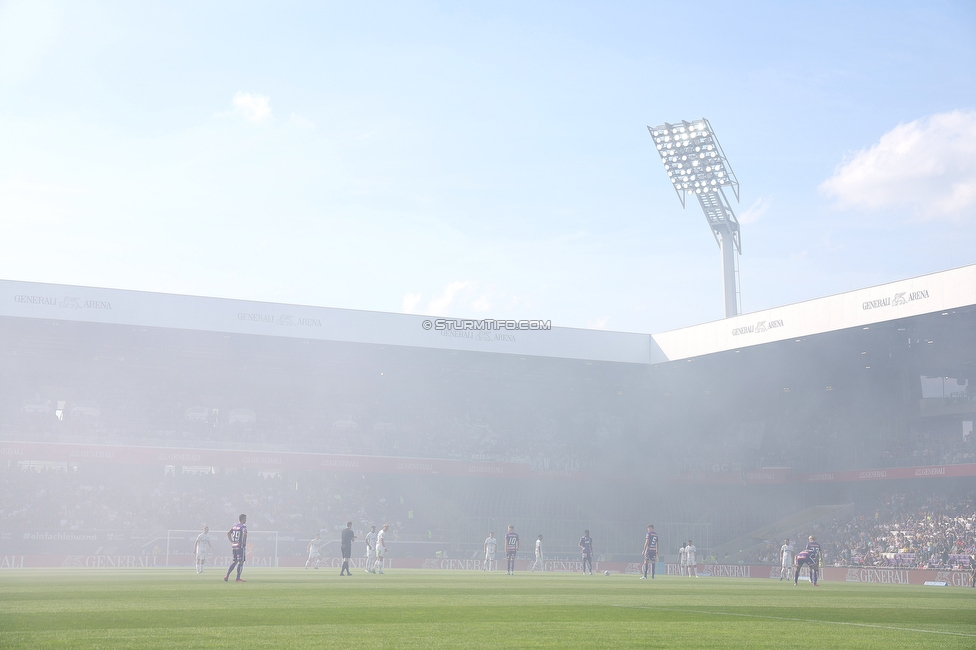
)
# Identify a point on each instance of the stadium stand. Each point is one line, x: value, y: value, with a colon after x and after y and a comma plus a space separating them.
x: 921, y: 529
x: 130, y: 411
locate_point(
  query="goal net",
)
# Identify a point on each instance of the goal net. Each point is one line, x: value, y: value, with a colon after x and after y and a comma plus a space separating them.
x: 262, y: 548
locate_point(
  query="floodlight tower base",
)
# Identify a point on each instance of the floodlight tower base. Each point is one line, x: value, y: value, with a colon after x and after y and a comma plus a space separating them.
x: 725, y: 229
x: 727, y: 243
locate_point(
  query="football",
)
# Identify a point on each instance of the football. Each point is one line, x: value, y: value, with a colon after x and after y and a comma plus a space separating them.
x: 606, y: 573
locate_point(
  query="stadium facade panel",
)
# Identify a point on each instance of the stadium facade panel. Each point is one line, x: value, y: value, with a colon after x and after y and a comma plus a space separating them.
x: 935, y: 292
x: 930, y: 293
x: 158, y: 310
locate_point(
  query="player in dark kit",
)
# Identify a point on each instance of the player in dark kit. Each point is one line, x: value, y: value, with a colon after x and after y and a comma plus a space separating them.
x: 238, y: 543
x: 650, y: 552
x: 511, y: 548
x: 813, y: 545
x: 807, y: 557
x: 813, y: 559
x: 345, y: 545
x: 586, y: 545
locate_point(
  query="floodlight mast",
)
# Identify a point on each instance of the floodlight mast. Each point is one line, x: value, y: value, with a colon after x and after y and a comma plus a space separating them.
x: 696, y: 165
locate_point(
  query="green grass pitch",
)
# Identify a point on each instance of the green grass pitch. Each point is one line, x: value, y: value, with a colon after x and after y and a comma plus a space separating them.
x: 295, y: 608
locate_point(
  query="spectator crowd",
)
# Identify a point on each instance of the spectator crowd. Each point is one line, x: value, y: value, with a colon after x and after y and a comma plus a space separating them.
x: 147, y: 500
x: 924, y: 530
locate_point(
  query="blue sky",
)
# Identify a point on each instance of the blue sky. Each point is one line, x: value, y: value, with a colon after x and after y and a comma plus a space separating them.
x: 482, y: 160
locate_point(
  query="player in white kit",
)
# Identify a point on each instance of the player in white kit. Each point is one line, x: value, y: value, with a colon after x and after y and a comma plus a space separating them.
x: 691, y: 558
x: 490, y: 545
x: 539, y: 559
x: 198, y: 548
x: 314, y: 552
x: 381, y: 548
x: 682, y: 559
x: 371, y: 550
x: 786, y: 552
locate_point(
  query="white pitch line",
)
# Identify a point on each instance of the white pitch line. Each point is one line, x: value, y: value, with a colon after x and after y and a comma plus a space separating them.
x: 812, y: 620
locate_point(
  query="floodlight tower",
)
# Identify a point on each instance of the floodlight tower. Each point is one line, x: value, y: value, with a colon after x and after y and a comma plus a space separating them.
x: 697, y: 165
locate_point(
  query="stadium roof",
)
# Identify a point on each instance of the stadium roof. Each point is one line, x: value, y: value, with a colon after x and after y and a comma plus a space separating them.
x: 936, y: 292
x: 926, y: 294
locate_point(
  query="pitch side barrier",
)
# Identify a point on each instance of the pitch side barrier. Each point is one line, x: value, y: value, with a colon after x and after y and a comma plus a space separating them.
x: 270, y: 460
x: 278, y: 460
x: 871, y: 575
x: 780, y: 475
x: 184, y: 561
x: 866, y: 575
x: 262, y: 548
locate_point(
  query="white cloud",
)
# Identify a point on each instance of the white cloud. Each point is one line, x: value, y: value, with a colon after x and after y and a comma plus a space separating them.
x: 468, y: 299
x: 439, y: 306
x: 28, y: 30
x: 599, y: 323
x: 926, y: 168
x: 482, y: 303
x: 410, y: 302
x: 755, y: 212
x: 252, y: 108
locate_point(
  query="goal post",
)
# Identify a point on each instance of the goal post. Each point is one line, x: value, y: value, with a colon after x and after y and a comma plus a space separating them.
x: 262, y: 548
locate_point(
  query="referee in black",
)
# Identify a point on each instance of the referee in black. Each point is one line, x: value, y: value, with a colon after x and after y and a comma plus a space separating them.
x: 346, y: 547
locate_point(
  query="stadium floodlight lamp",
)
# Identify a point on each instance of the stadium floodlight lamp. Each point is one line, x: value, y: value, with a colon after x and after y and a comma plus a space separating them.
x: 696, y: 165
